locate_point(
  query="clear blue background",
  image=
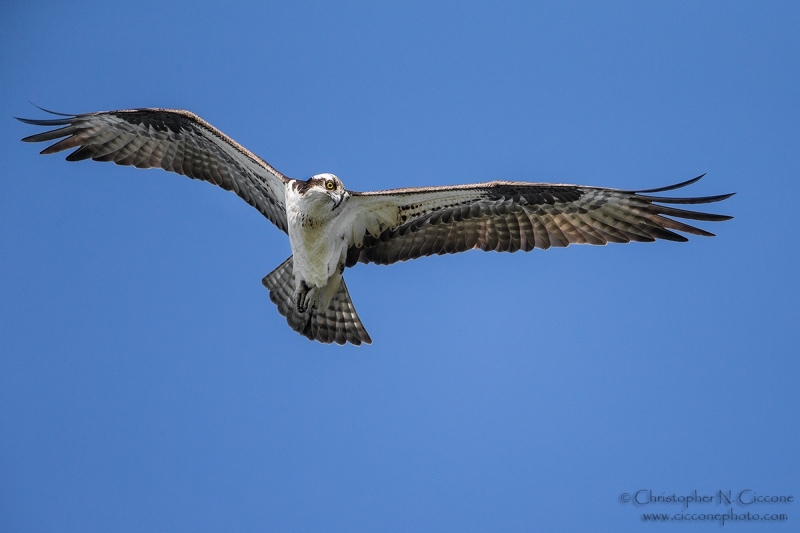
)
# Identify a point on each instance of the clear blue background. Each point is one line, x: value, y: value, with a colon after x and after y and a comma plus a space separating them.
x: 148, y: 384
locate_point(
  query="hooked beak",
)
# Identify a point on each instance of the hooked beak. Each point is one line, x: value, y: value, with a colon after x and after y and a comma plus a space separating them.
x: 337, y: 202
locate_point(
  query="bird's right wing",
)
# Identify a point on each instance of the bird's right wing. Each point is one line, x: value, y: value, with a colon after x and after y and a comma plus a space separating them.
x: 175, y: 140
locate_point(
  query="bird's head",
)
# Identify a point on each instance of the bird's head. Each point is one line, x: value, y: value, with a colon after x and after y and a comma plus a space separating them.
x: 324, y: 191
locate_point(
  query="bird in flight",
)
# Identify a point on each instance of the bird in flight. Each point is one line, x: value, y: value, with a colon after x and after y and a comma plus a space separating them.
x: 331, y: 228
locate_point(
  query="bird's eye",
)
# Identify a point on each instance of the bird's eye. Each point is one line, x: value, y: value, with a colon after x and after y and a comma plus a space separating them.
x: 329, y: 185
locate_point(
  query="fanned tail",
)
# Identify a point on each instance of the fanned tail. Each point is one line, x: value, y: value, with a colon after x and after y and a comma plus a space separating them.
x: 338, y: 323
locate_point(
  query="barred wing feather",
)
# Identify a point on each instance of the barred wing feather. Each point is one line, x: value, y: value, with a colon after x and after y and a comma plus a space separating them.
x: 402, y: 224
x: 175, y: 140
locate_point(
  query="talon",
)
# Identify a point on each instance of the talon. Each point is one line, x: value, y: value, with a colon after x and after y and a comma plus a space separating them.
x: 300, y: 301
x: 305, y: 296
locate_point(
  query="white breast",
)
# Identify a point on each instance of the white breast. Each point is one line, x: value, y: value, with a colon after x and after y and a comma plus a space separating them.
x: 316, y: 246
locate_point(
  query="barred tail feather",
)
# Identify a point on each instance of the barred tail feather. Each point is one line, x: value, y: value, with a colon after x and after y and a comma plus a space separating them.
x: 338, y: 323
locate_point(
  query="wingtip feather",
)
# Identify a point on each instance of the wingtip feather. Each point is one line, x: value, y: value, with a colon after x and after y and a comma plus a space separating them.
x: 52, y: 112
x: 44, y: 122
x: 671, y: 187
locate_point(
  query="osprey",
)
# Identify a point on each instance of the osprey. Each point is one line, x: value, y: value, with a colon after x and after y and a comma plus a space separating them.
x: 331, y: 228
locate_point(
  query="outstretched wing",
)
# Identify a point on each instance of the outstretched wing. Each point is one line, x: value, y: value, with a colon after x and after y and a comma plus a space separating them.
x: 175, y: 140
x: 504, y: 216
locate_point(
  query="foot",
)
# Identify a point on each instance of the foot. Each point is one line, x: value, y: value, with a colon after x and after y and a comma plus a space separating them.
x: 305, y: 297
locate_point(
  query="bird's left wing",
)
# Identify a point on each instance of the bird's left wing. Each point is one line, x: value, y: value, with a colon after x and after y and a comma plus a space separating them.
x: 401, y: 224
x: 175, y: 140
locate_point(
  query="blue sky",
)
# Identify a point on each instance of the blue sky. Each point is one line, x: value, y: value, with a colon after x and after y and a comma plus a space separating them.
x: 148, y: 384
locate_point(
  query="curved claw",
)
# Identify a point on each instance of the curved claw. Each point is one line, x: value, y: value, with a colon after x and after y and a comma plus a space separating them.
x: 305, y: 297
